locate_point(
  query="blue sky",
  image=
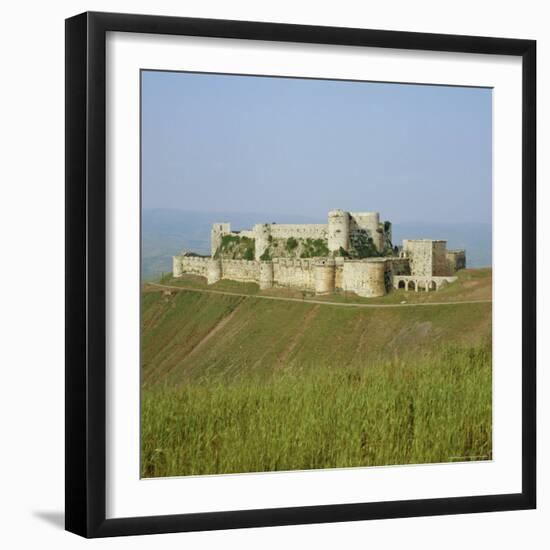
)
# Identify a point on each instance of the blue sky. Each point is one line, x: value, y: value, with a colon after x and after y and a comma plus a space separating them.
x: 295, y: 146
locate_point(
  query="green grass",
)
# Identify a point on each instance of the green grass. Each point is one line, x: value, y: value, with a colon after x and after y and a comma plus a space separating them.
x: 240, y: 384
x: 236, y: 247
x: 435, y: 408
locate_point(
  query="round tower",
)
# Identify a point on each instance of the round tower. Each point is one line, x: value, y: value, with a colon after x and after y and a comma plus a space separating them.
x: 338, y: 230
x: 266, y: 275
x: 214, y: 271
x: 371, y: 222
x: 324, y: 272
x: 376, y: 277
x: 262, y: 232
x: 177, y: 270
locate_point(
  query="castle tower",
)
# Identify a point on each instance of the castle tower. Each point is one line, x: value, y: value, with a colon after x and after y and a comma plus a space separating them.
x: 325, y: 274
x: 177, y: 270
x: 214, y: 271
x: 338, y: 230
x: 266, y: 275
x: 369, y: 222
x: 376, y: 276
x: 427, y: 257
x: 217, y: 232
x: 262, y: 232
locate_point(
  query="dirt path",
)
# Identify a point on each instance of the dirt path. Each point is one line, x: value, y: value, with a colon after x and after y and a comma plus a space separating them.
x: 321, y: 302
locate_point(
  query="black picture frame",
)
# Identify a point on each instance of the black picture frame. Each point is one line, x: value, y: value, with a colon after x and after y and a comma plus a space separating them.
x: 86, y: 284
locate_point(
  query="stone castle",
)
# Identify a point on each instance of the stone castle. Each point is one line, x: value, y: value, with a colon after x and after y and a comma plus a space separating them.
x: 353, y: 252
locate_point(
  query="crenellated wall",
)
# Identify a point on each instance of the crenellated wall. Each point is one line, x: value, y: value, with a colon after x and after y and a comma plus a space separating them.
x: 195, y: 265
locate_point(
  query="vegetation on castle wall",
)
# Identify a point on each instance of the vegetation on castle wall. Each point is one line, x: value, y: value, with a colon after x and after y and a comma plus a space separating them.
x: 313, y: 248
x: 295, y: 247
x: 291, y: 244
x: 343, y: 253
x: 362, y: 246
x: 235, y: 247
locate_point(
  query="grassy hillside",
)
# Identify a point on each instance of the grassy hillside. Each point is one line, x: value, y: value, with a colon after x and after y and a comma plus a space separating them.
x: 239, y: 383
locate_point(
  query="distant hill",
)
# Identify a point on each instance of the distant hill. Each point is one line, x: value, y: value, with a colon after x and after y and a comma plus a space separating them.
x: 166, y: 232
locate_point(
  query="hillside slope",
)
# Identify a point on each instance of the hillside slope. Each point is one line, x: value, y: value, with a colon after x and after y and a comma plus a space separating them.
x: 198, y: 336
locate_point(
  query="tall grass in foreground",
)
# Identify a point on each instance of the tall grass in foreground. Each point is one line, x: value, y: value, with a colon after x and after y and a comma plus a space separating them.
x: 432, y: 408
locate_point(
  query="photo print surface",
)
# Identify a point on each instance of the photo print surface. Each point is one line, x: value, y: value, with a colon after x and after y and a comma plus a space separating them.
x: 316, y: 274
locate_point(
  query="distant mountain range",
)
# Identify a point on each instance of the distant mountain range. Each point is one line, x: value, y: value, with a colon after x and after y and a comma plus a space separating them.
x: 166, y: 232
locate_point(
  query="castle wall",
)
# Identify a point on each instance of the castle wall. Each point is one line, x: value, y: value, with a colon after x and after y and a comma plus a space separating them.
x: 177, y: 270
x: 427, y: 257
x: 299, y: 231
x: 214, y: 271
x: 338, y: 230
x: 339, y: 273
x: 246, y: 271
x: 419, y: 253
x: 216, y: 233
x: 440, y: 267
x: 294, y: 273
x: 266, y: 275
x: 196, y: 265
x: 370, y: 222
x: 421, y: 260
x: 456, y: 259
x: 400, y: 266
x: 324, y: 271
x: 368, y: 278
x: 262, y: 232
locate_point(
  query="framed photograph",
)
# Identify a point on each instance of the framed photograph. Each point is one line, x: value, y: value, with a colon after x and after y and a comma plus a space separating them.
x: 300, y: 274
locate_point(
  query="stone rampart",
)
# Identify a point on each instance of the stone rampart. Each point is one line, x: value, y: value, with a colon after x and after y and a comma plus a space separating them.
x: 294, y: 273
x: 196, y: 265
x: 246, y: 271
x: 299, y: 231
x: 369, y: 278
x: 339, y: 273
x: 324, y: 275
